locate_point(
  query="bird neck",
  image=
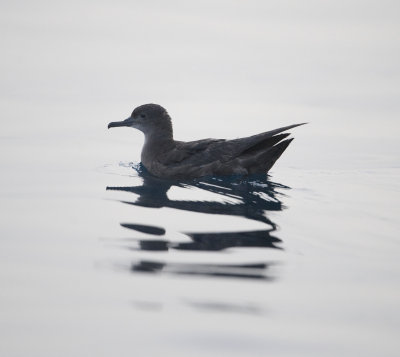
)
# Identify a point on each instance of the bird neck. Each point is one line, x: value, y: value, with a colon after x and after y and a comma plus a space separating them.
x: 157, y: 142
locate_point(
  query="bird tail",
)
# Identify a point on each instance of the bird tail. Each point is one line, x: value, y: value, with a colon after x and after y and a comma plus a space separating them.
x: 264, y: 161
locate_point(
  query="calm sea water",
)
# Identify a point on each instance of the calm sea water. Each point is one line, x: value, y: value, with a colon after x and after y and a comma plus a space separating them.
x: 99, y: 258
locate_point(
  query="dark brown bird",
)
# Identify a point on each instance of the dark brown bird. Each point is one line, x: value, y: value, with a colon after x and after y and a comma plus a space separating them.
x: 165, y: 157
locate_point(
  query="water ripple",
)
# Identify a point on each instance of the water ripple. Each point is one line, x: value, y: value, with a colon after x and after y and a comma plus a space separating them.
x: 249, y: 197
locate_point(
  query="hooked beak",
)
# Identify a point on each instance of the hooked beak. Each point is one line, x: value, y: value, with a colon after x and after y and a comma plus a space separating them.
x: 126, y: 122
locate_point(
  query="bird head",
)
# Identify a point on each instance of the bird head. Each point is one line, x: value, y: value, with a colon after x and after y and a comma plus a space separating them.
x: 146, y: 118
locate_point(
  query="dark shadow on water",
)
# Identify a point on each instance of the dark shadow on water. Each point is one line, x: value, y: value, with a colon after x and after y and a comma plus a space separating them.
x: 249, y: 197
x: 218, y: 306
x: 214, y: 241
x: 249, y: 271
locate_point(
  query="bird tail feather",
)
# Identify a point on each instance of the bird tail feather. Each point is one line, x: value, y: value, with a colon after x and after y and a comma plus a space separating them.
x: 264, y: 161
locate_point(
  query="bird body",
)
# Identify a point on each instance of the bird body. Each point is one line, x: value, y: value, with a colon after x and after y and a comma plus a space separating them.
x: 165, y: 157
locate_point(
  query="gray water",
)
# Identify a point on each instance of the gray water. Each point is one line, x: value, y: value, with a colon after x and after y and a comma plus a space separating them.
x: 99, y: 258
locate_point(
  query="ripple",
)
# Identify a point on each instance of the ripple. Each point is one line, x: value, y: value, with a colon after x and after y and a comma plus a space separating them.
x: 248, y: 197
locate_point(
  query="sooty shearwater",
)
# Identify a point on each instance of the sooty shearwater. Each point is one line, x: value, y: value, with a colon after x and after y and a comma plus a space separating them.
x: 167, y: 158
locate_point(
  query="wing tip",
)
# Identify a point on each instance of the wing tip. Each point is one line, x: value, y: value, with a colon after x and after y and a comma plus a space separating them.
x: 300, y: 124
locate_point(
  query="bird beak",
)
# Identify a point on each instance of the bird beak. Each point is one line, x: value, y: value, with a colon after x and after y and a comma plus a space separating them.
x: 126, y: 122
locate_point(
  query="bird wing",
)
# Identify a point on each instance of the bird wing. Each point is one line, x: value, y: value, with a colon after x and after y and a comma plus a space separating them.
x: 204, y: 151
x: 259, y: 142
x: 197, y: 152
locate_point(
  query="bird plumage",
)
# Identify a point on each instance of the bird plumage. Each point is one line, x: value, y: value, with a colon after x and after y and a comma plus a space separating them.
x: 164, y: 157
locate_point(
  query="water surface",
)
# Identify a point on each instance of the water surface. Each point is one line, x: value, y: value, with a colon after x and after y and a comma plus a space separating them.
x: 99, y: 258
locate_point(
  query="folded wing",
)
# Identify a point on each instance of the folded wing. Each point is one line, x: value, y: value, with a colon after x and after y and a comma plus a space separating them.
x: 250, y: 151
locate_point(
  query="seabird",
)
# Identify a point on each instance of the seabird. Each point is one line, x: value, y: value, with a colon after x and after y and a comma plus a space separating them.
x: 167, y: 158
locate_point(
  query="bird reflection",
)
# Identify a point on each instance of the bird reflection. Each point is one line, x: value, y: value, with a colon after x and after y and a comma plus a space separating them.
x: 249, y: 197
x: 248, y: 271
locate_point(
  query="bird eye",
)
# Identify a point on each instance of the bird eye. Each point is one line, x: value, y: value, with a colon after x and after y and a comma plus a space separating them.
x: 143, y: 115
